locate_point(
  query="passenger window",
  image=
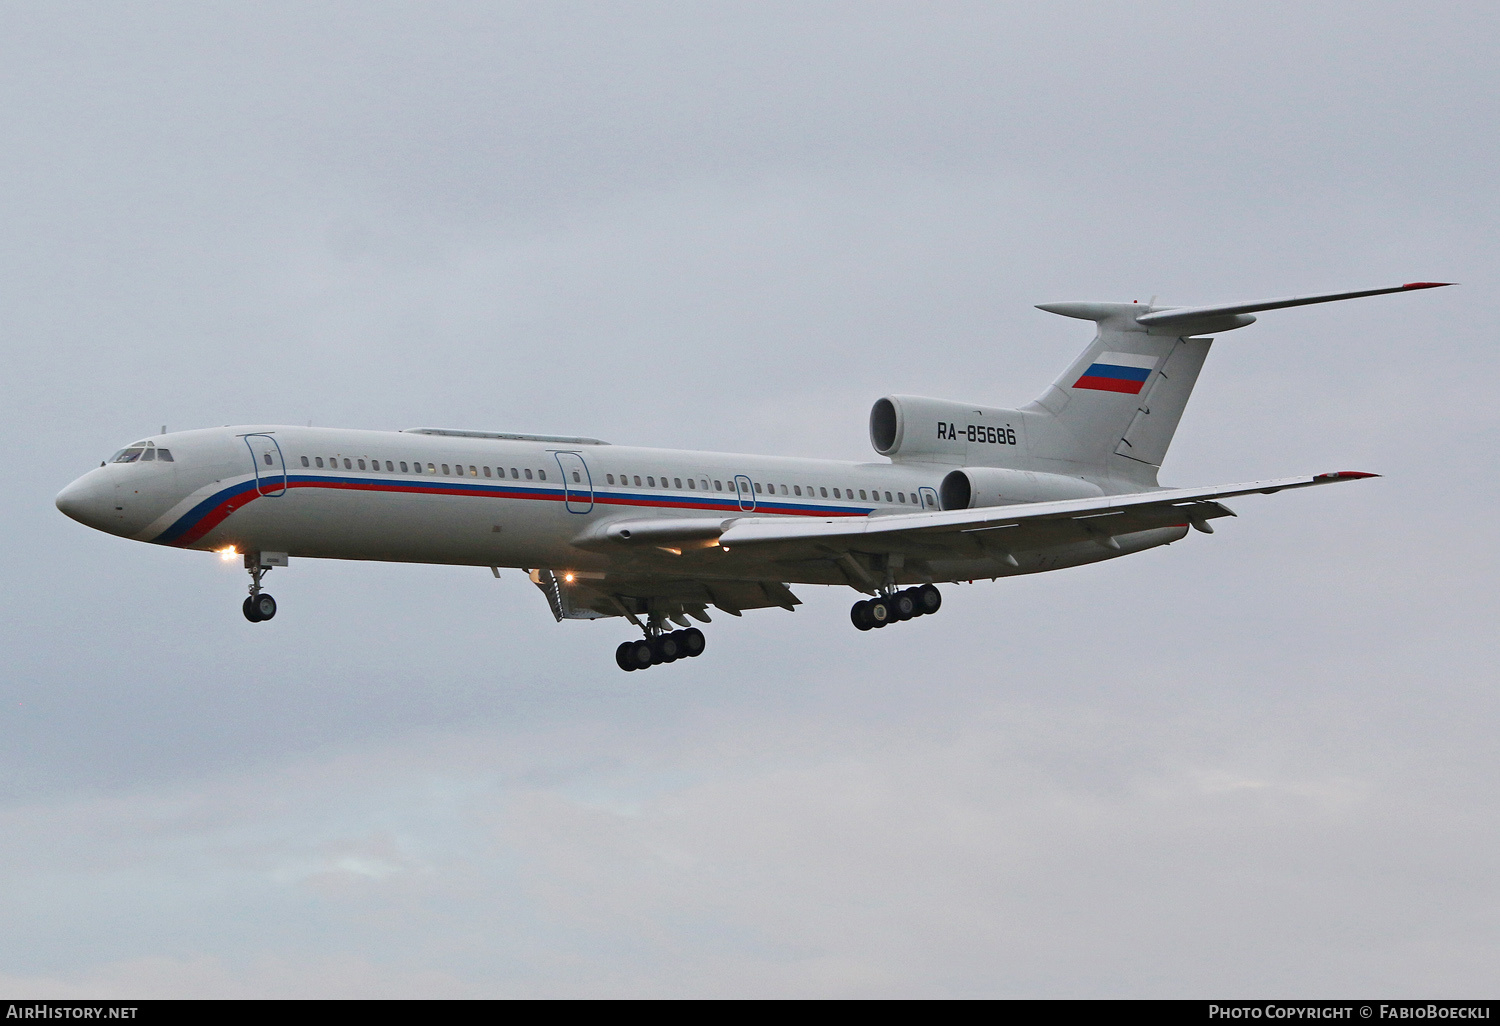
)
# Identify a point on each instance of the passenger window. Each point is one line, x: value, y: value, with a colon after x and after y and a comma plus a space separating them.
x: 757, y: 489
x: 690, y: 484
x: 267, y: 457
x: 305, y: 462
x: 887, y: 496
x: 542, y: 474
x: 165, y: 455
x: 528, y: 474
x: 473, y: 471
x: 824, y: 492
x: 836, y: 493
x: 637, y: 479
x: 486, y: 471
x: 347, y: 464
x: 676, y: 482
x: 862, y: 494
x: 651, y: 481
x: 403, y: 467
x: 900, y: 496
x: 445, y: 468
x: 318, y: 460
x: 718, y: 485
x: 361, y: 462
x: 576, y: 478
x: 610, y: 478
x: 783, y: 489
x: 150, y: 454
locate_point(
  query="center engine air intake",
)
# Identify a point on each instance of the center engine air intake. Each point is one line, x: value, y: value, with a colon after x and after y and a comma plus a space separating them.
x: 885, y: 426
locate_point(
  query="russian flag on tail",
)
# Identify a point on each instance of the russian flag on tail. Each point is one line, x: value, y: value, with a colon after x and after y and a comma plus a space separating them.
x: 1117, y: 372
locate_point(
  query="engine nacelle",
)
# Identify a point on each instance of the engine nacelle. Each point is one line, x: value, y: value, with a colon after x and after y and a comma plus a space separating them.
x: 972, y: 487
x: 913, y: 427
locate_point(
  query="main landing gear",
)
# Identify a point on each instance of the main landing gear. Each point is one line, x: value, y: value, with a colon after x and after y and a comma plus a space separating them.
x: 898, y: 605
x: 658, y: 647
x: 260, y: 605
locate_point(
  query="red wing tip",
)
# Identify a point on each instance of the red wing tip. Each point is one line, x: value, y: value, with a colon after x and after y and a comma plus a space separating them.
x: 1344, y: 475
x: 1427, y: 284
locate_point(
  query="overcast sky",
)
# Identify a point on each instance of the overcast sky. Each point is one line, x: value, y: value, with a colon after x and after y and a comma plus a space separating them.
x: 1257, y: 763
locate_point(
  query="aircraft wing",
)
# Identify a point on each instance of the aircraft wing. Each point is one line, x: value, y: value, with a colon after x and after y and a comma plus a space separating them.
x: 956, y: 531
x: 810, y: 548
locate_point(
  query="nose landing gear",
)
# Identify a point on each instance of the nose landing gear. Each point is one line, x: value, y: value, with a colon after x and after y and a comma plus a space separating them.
x: 660, y: 647
x: 260, y: 605
x: 898, y: 605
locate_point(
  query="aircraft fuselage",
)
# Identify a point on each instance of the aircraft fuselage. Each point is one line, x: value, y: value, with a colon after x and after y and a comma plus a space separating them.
x: 484, y: 501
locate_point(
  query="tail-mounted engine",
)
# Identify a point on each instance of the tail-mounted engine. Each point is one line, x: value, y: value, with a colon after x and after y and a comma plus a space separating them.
x: 972, y: 487
x: 988, y: 444
x: 915, y: 428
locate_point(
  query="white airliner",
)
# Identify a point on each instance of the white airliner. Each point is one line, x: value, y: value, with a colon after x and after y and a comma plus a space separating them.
x: 659, y: 535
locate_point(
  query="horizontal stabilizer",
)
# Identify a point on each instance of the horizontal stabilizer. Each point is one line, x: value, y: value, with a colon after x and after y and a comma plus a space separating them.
x: 1183, y: 321
x: 1188, y: 316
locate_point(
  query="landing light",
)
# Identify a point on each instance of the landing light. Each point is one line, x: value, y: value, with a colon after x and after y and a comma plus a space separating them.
x: 227, y: 553
x: 567, y: 578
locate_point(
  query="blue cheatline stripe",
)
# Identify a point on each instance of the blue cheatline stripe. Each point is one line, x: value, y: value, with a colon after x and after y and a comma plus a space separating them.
x: 248, y: 492
x: 198, y: 512
x: 1110, y: 370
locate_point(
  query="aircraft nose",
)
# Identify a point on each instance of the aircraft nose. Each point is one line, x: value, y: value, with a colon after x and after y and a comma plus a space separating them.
x: 79, y: 502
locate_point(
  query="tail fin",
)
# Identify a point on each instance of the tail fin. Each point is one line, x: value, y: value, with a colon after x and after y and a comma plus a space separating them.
x: 1114, y: 411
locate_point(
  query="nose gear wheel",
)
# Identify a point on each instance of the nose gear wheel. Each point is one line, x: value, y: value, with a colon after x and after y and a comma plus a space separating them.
x: 260, y: 605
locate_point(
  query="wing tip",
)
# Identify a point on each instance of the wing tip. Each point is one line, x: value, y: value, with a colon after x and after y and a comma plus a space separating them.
x: 1428, y: 284
x: 1343, y: 475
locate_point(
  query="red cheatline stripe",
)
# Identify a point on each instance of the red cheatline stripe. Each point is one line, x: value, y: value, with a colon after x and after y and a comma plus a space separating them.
x: 1109, y: 384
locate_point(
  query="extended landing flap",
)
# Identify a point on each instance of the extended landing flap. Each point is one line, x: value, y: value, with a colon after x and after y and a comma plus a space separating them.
x: 559, y: 597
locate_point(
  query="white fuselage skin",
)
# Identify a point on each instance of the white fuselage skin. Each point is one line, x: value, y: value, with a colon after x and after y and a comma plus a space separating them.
x: 449, y: 505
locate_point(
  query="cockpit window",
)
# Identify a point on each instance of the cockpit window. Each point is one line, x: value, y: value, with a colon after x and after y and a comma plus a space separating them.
x: 129, y: 455
x: 165, y: 455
